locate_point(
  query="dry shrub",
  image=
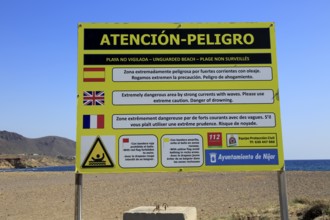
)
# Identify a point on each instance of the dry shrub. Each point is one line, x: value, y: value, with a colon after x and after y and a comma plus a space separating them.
x: 299, y: 209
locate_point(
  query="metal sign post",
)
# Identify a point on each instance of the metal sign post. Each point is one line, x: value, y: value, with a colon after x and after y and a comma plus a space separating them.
x: 283, y: 195
x: 78, y: 198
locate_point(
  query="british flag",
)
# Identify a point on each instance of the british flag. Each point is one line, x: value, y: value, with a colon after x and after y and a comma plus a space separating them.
x: 93, y: 97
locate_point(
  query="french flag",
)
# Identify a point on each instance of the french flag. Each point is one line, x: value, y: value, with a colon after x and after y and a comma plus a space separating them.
x: 93, y: 121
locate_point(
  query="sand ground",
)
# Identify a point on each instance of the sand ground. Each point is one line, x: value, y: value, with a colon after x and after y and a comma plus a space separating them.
x: 50, y: 195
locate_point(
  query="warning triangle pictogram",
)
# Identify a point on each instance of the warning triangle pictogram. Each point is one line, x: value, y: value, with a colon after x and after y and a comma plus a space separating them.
x: 97, y: 156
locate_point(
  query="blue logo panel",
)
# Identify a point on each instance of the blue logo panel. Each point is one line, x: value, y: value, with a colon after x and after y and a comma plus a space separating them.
x: 241, y: 157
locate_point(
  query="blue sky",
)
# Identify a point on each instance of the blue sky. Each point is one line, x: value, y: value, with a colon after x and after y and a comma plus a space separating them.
x: 38, y: 57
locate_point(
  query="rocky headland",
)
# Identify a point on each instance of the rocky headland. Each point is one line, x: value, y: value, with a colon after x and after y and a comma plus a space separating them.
x: 17, y: 151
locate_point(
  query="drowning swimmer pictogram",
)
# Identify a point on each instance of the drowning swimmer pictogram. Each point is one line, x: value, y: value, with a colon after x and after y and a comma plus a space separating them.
x: 97, y: 156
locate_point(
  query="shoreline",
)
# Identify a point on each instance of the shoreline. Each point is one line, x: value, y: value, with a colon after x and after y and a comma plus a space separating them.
x: 39, y: 195
x: 54, y: 164
x: 12, y: 161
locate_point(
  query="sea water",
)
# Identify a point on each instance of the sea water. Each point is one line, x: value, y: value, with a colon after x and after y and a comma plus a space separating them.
x: 307, y: 165
x: 290, y: 165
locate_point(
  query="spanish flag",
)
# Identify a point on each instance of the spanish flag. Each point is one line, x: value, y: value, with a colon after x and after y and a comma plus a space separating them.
x: 94, y: 74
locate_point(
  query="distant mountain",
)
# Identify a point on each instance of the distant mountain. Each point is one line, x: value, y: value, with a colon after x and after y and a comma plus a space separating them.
x: 13, y: 143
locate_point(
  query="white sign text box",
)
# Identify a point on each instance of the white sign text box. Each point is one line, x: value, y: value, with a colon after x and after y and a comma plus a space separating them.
x: 191, y: 74
x: 193, y: 97
x: 194, y: 121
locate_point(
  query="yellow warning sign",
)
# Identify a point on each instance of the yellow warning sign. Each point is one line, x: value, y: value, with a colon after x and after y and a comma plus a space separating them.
x: 97, y: 156
x: 209, y: 103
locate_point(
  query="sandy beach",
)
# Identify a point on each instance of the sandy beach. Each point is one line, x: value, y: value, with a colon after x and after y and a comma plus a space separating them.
x: 50, y: 195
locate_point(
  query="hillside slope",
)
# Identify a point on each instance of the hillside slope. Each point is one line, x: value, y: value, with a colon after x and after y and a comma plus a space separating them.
x: 13, y: 143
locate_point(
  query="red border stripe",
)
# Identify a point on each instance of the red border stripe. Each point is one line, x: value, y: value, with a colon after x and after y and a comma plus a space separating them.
x: 94, y: 69
x: 94, y: 79
x: 100, y: 121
